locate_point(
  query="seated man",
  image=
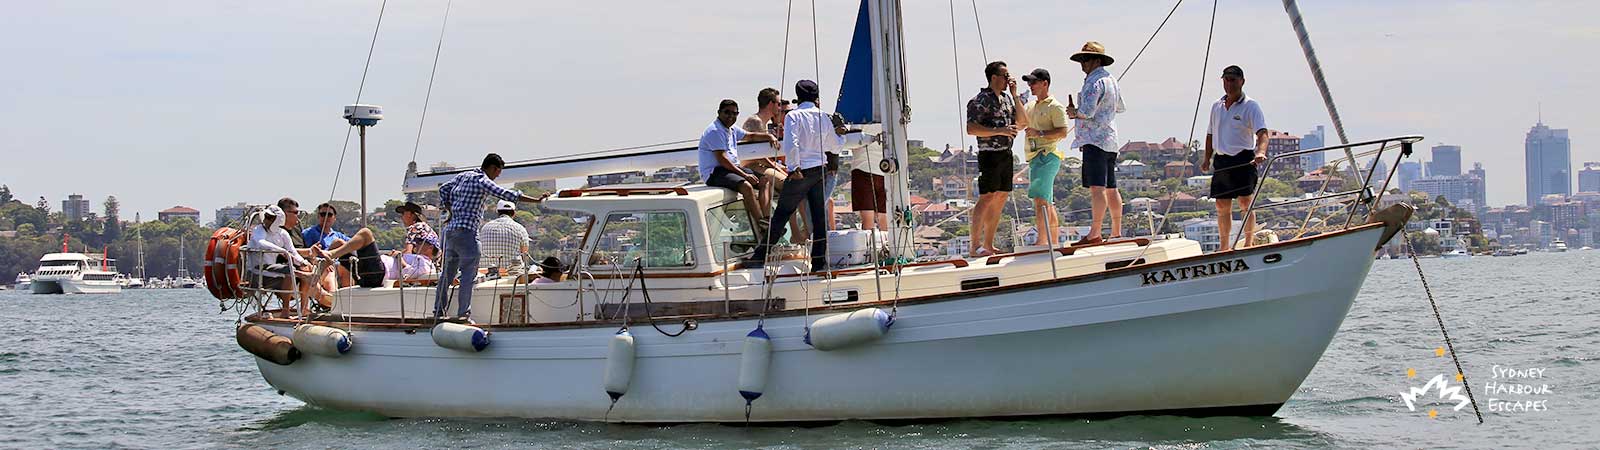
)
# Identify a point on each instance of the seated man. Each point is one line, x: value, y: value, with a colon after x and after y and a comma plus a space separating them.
x: 415, y: 257
x: 719, y: 160
x: 274, y: 263
x: 356, y: 257
x: 502, y: 242
x: 549, y: 271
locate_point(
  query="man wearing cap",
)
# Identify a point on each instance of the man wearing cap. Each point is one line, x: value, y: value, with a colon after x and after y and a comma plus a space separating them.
x: 992, y: 117
x: 463, y: 198
x: 719, y: 160
x: 1047, y: 126
x: 1236, y: 142
x: 503, y: 240
x: 808, y: 133
x: 1096, y: 137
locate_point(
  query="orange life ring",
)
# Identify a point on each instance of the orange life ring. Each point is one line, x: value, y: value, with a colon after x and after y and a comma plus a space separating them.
x: 208, y: 267
x: 232, y: 267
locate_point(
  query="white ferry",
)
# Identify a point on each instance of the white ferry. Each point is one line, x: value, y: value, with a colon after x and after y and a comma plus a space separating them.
x: 75, y: 273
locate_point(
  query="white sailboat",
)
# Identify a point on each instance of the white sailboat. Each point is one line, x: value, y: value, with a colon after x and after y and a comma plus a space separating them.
x: 660, y: 326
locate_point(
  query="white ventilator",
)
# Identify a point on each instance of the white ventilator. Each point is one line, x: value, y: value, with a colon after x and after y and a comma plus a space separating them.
x: 753, y: 365
x: 456, y: 336
x: 849, y: 329
x: 320, y: 340
x: 619, y: 364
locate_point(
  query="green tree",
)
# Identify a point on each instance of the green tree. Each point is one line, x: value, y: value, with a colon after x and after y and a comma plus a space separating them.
x: 5, y: 194
x: 113, y: 228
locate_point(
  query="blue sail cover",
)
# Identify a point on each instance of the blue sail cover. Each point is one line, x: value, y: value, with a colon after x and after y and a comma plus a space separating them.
x: 855, y: 91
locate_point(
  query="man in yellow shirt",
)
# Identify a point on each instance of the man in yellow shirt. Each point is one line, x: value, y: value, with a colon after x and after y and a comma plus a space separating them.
x: 1047, y: 126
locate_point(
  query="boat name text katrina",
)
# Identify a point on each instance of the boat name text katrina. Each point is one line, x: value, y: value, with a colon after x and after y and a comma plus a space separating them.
x: 1196, y: 271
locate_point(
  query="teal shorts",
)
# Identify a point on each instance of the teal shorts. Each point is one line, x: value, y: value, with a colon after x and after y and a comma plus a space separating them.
x: 1042, y: 172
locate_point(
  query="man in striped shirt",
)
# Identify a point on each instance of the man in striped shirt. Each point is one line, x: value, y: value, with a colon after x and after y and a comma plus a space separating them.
x: 463, y: 197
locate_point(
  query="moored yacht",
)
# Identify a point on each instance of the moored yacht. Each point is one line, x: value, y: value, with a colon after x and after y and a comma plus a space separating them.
x: 75, y: 273
x: 1558, y: 245
x: 24, y: 282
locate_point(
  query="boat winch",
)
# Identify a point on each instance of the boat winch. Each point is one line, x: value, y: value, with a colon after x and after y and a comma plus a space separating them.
x: 320, y: 340
x: 456, y: 336
x: 263, y: 343
x: 849, y: 329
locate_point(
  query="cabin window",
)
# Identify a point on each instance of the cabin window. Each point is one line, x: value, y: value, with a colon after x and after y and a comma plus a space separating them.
x: 659, y: 238
x: 729, y: 227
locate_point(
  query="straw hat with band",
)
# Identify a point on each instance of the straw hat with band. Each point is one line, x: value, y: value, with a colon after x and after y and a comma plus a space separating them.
x: 1092, y: 49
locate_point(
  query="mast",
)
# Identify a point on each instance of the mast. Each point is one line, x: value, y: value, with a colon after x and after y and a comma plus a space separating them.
x: 893, y: 113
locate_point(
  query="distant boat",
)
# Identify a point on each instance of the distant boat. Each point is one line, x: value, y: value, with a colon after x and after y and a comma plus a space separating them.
x: 1457, y: 253
x: 1557, y: 245
x: 75, y: 273
x: 24, y: 282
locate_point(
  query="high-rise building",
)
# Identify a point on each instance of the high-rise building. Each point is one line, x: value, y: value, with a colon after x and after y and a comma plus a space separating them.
x: 1279, y: 142
x: 1409, y: 171
x: 1446, y: 161
x: 1589, y: 177
x: 1461, y: 191
x: 74, y: 207
x: 1548, y: 158
x: 1314, y: 139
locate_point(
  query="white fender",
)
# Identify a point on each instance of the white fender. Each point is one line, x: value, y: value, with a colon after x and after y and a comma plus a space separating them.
x: 320, y: 340
x: 753, y: 365
x: 849, y: 329
x: 456, y: 336
x: 619, y: 364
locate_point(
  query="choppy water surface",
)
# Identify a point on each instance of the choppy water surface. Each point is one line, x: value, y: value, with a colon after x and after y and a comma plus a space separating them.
x: 159, y: 369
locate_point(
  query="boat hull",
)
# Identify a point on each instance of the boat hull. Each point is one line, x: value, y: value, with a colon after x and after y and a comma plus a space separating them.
x: 1155, y: 338
x: 70, y: 286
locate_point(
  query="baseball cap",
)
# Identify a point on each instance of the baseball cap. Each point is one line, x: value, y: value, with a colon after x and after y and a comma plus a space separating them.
x: 505, y: 206
x: 1037, y: 74
x: 1233, y: 71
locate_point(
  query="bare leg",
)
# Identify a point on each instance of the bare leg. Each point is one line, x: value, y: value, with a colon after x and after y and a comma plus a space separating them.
x: 1097, y: 211
x: 362, y: 238
x: 1249, y: 221
x: 1114, y: 209
x: 800, y: 224
x: 747, y: 194
x: 868, y: 219
x: 1225, y: 223
x: 979, y: 224
x: 1044, y: 215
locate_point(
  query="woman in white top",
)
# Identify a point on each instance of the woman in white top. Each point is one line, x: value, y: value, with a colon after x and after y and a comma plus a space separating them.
x: 274, y: 270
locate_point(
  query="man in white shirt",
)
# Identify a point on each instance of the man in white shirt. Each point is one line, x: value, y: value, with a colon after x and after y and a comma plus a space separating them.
x: 1237, y: 139
x: 503, y: 241
x: 807, y: 134
x: 719, y: 160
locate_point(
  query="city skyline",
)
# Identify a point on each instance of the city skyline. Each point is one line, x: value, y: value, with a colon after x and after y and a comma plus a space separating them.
x: 171, y: 94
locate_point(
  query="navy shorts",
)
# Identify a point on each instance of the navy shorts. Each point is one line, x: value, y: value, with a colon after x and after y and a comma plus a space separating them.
x: 722, y: 178
x: 1233, y: 176
x: 1099, y: 167
x: 994, y: 171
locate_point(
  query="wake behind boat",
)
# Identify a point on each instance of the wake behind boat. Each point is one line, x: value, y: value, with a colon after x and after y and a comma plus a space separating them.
x: 660, y: 324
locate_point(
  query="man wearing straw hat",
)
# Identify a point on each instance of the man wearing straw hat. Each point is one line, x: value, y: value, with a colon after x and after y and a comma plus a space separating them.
x: 1237, y: 139
x: 1097, y: 137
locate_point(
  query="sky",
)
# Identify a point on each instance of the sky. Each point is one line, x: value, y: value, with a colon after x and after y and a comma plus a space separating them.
x: 208, y: 103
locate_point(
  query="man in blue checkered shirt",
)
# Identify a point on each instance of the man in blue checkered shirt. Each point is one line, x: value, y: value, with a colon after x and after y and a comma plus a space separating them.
x: 462, y: 197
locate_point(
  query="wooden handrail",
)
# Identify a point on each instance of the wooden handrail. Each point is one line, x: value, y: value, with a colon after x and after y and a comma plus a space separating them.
x: 1066, y: 251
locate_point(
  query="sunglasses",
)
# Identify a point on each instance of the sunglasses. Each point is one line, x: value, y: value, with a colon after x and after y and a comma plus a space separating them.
x: 728, y: 113
x: 326, y: 214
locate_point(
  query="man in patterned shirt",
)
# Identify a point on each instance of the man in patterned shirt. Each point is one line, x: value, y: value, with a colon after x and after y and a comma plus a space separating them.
x: 504, y: 241
x: 992, y: 117
x: 463, y: 196
x: 1097, y: 138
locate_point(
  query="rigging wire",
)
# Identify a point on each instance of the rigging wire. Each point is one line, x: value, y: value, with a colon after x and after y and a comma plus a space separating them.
x: 783, y: 75
x: 359, y: 88
x: 979, y: 22
x: 1199, y: 97
x: 816, y: 60
x: 1147, y: 42
x: 431, y: 72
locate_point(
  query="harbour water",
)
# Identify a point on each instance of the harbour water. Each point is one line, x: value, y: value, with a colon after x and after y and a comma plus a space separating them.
x: 159, y: 369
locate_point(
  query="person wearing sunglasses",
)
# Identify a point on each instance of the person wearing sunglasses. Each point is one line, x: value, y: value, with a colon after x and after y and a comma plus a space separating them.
x: 356, y: 256
x: 719, y: 160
